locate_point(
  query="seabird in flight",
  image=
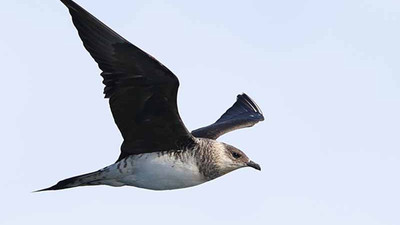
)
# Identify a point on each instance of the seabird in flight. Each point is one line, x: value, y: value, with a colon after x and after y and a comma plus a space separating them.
x: 158, y: 152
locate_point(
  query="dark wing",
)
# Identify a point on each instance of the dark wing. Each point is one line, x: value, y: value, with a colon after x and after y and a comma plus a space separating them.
x: 142, y: 91
x: 244, y: 113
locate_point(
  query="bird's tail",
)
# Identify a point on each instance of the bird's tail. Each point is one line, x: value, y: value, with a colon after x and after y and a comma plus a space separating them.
x: 81, y: 180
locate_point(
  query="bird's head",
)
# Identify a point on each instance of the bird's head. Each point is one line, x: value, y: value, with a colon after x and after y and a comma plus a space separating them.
x: 231, y: 158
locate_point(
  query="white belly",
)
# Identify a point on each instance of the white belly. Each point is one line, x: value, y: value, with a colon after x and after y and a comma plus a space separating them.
x: 154, y: 171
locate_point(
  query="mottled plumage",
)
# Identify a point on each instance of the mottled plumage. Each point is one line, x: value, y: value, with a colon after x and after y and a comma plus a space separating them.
x: 158, y: 152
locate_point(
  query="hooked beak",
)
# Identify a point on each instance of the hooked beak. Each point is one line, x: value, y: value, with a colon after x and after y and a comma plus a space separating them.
x: 254, y: 165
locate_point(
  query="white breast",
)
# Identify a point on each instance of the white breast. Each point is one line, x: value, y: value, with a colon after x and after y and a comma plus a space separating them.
x: 155, y: 171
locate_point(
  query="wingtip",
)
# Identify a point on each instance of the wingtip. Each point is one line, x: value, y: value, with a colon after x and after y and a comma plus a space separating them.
x: 249, y: 101
x: 66, y: 2
x: 71, y: 5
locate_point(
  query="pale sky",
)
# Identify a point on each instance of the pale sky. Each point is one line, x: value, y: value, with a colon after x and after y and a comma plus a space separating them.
x: 325, y: 74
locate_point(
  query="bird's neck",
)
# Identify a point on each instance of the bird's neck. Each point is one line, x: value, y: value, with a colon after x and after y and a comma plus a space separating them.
x: 206, y: 156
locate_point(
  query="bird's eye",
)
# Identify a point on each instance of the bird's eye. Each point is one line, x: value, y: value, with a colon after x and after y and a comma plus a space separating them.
x: 235, y: 155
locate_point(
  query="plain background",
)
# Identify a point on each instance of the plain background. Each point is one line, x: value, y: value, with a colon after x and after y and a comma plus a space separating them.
x: 325, y: 73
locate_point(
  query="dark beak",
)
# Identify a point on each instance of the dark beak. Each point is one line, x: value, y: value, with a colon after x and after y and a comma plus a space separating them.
x: 254, y: 165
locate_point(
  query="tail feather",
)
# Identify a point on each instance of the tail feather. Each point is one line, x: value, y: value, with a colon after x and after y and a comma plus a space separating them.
x: 81, y: 180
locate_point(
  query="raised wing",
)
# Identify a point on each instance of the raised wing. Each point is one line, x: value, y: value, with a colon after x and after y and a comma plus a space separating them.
x: 142, y: 91
x: 244, y: 113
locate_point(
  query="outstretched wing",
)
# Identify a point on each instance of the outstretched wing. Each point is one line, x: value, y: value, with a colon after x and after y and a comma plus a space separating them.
x: 244, y: 113
x: 141, y: 90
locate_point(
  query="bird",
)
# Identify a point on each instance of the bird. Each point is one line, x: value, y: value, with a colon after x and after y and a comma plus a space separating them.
x: 158, y: 152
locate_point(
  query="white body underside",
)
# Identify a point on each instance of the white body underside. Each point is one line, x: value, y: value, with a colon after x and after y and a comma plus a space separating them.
x: 152, y: 171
